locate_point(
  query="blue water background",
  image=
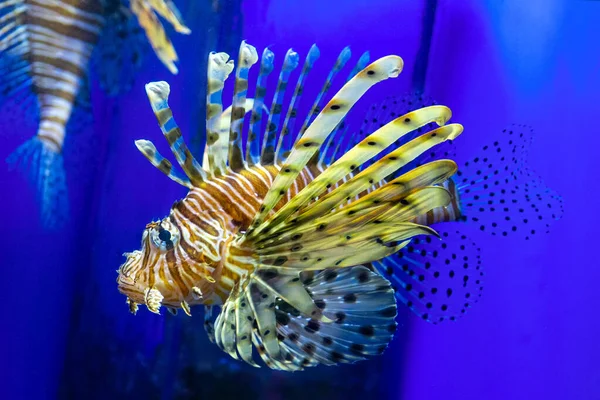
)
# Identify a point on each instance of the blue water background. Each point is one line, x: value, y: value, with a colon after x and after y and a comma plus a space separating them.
x: 534, y: 335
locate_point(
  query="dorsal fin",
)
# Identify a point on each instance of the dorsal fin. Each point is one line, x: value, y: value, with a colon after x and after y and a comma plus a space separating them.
x: 217, y: 145
x: 268, y: 149
x: 315, y: 110
x: 284, y: 143
x: 247, y: 58
x: 254, y: 135
x: 330, y: 148
x: 366, y: 149
x: 320, y: 129
x: 158, y: 94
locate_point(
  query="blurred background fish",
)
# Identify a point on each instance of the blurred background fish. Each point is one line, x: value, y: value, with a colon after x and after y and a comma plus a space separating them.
x: 46, y: 47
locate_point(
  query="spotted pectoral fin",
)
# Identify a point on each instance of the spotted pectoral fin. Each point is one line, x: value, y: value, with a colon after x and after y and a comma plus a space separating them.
x: 437, y: 278
x: 296, y: 321
x: 250, y: 310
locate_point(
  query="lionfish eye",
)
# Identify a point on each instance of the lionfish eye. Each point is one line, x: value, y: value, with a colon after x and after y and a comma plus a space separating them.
x: 164, y: 235
x: 163, y: 238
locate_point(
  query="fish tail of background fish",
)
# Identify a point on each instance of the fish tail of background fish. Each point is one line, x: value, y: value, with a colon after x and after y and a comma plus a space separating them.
x: 146, y: 11
x: 34, y: 32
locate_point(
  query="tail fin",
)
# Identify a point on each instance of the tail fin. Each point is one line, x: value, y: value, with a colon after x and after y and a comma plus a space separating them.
x: 43, y: 166
x: 499, y: 192
x: 357, y: 308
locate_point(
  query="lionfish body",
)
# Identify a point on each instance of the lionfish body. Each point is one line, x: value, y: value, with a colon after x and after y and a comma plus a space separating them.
x: 293, y: 236
x: 279, y: 235
x: 46, y: 46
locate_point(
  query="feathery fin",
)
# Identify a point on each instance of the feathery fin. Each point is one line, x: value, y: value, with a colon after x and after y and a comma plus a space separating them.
x: 317, y: 132
x: 367, y: 230
x: 368, y: 148
x: 359, y: 304
x: 429, y: 174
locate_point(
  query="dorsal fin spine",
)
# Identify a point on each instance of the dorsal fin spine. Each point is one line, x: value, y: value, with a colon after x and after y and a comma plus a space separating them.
x: 268, y: 149
x: 254, y: 136
x: 219, y: 68
x: 284, y: 143
x: 247, y: 58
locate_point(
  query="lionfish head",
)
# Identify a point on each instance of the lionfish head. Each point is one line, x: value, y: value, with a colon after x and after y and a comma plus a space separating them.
x: 152, y: 276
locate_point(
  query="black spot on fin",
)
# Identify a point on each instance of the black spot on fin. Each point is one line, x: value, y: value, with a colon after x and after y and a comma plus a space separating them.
x: 363, y: 309
x: 500, y: 194
x: 394, y: 107
x: 438, y: 279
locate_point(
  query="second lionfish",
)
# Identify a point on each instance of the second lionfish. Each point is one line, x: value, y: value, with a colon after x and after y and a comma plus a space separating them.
x: 283, y: 237
x: 45, y: 51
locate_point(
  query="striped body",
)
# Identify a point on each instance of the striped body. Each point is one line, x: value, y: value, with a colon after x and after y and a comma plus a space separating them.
x: 61, y: 37
x: 205, y: 223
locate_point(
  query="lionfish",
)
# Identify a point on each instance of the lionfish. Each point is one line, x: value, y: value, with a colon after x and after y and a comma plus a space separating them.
x: 46, y: 46
x: 293, y: 235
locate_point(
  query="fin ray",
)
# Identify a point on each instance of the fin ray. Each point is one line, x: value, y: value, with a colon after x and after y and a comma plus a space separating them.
x: 316, y: 134
x: 247, y: 58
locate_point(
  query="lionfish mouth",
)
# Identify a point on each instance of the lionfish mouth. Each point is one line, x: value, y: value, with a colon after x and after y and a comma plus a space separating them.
x: 134, y: 290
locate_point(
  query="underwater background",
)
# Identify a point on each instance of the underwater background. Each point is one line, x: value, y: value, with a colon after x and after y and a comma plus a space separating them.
x: 67, y: 332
